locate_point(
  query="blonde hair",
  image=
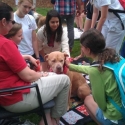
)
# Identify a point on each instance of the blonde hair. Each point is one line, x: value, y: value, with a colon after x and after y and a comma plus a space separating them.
x: 16, y: 27
x: 21, y: 1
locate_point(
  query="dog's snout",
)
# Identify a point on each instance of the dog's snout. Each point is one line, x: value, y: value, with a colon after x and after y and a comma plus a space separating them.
x: 58, y: 67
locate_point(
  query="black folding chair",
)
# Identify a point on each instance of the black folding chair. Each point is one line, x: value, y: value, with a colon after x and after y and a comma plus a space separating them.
x: 40, y: 110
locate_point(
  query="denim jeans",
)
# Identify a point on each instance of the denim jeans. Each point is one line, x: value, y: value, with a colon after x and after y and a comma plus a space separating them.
x: 103, y: 121
x: 70, y: 28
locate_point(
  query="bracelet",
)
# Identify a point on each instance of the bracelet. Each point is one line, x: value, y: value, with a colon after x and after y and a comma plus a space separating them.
x: 37, y: 58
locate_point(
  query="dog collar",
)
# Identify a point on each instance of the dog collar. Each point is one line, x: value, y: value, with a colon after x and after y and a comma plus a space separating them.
x: 65, y: 69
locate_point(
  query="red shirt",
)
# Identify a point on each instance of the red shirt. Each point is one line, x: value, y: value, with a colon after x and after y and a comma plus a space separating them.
x: 11, y: 62
x: 52, y: 39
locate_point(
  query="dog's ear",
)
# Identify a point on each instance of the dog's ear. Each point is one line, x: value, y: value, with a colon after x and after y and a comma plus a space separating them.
x: 41, y: 21
x: 46, y: 57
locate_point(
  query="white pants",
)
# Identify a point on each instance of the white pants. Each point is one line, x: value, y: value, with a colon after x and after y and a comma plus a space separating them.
x: 113, y: 33
x: 51, y: 87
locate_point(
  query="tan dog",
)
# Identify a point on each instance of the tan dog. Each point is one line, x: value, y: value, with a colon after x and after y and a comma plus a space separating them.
x: 79, y: 87
x: 40, y: 19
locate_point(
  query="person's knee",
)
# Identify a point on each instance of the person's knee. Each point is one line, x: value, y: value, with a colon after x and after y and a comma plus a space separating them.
x: 66, y: 79
x: 87, y: 99
x: 63, y: 79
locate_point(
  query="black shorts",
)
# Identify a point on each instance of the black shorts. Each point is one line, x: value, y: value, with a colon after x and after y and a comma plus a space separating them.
x: 89, y: 9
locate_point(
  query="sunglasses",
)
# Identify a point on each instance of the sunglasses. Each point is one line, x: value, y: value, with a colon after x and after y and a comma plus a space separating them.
x: 12, y: 21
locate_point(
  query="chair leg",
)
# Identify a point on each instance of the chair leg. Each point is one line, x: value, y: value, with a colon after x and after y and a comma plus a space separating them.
x: 44, y: 118
x: 41, y: 106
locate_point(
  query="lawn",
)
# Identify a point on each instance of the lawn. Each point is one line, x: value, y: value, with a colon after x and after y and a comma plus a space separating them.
x: 76, y: 51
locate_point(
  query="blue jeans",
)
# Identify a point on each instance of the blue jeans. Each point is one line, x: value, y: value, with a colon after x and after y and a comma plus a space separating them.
x: 41, y: 59
x: 100, y: 118
x: 122, y: 51
x: 70, y: 28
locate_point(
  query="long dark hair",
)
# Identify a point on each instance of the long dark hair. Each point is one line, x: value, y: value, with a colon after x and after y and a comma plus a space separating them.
x: 94, y: 40
x: 5, y: 11
x: 47, y: 30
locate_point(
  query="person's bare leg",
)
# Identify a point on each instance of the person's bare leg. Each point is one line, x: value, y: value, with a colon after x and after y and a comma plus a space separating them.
x: 80, y: 22
x: 49, y: 120
x: 77, y: 21
x: 91, y: 107
x: 79, y: 56
x: 55, y: 121
x: 81, y: 17
x: 87, y: 26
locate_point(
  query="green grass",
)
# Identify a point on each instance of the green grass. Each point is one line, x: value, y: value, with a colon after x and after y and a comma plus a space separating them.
x: 75, y: 52
x: 43, y: 11
x: 76, y: 49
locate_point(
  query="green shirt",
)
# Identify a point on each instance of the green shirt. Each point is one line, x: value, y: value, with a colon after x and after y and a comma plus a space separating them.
x: 103, y: 84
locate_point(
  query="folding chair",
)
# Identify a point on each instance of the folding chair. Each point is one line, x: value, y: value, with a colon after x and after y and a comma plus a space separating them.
x: 40, y: 110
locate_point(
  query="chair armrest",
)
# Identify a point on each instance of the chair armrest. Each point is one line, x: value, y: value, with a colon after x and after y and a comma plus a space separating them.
x: 17, y: 88
x: 22, y: 88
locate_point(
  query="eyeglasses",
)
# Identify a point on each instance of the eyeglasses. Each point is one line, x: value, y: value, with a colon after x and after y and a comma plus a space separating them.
x: 12, y: 21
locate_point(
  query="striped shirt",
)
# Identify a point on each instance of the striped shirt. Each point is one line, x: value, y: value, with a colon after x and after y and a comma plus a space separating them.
x: 65, y: 7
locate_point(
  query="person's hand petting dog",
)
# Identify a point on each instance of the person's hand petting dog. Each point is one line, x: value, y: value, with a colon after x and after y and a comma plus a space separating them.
x: 67, y: 62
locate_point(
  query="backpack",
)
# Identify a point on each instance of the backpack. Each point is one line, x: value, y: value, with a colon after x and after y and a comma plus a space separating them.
x: 119, y: 73
x: 122, y: 2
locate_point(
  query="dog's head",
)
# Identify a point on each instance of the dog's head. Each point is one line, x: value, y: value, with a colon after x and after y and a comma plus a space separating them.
x: 41, y: 21
x: 56, y: 61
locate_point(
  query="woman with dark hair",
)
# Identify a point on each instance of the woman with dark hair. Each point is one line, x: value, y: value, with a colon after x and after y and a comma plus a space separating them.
x: 51, y: 37
x: 103, y: 82
x: 14, y: 72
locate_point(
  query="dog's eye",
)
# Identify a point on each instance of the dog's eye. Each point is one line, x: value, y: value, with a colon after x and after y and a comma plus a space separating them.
x: 61, y: 60
x: 53, y: 60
